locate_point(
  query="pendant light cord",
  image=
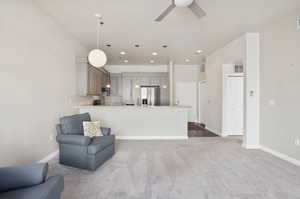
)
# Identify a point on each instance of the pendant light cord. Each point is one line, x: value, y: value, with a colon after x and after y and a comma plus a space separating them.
x: 98, y: 34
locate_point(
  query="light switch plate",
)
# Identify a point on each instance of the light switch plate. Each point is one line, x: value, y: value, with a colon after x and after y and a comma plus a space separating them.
x: 297, y: 142
x: 51, y: 137
x: 272, y: 102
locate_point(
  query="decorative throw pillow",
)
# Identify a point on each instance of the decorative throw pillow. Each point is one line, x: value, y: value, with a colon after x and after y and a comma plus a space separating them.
x: 92, y: 129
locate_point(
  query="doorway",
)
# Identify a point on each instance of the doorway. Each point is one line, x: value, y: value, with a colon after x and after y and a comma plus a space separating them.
x: 233, y: 104
x: 186, y: 95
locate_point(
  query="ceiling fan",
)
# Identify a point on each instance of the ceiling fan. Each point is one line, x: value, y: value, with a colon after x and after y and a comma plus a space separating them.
x: 191, y: 4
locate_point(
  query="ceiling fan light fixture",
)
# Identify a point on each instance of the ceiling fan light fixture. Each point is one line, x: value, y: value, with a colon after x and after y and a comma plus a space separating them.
x: 183, y: 3
x: 190, y: 4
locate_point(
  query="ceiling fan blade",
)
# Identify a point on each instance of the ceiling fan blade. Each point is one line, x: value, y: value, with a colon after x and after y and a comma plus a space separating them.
x: 199, y: 12
x: 165, y: 13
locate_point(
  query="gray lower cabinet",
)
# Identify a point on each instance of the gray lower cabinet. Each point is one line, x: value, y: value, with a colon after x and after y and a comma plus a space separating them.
x: 90, y: 80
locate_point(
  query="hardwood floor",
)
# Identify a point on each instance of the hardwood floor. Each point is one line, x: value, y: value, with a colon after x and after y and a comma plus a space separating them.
x: 196, y: 130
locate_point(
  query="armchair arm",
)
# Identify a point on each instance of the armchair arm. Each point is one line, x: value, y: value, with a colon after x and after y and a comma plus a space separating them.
x: 73, y: 139
x: 22, y: 176
x: 51, y: 189
x: 105, y: 131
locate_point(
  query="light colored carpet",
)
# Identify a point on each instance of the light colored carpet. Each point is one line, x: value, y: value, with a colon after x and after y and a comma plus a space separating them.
x: 198, y: 168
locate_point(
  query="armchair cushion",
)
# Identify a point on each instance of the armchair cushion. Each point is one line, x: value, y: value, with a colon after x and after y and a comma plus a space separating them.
x: 73, y: 124
x: 105, y: 131
x: 74, y: 139
x: 100, y: 143
x: 22, y: 176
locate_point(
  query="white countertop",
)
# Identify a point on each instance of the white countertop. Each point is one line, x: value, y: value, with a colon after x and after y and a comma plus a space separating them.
x: 131, y: 107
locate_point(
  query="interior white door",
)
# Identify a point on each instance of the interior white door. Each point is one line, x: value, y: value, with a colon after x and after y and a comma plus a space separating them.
x: 234, y: 105
x: 186, y: 95
x: 202, y: 102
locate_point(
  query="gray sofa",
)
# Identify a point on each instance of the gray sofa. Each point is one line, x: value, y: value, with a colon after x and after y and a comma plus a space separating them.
x: 79, y: 151
x: 29, y: 182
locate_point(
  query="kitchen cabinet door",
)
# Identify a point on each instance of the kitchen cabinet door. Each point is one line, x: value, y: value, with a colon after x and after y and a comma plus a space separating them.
x: 164, y: 90
x: 127, y: 90
x: 92, y: 84
x: 116, y: 84
x: 99, y: 83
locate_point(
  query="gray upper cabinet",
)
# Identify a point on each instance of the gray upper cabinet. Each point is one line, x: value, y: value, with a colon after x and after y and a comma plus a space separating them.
x: 131, y: 82
x: 90, y: 80
x: 116, y: 84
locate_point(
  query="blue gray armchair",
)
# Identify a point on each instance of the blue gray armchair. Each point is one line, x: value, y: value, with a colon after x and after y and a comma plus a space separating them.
x: 79, y: 151
x: 29, y: 182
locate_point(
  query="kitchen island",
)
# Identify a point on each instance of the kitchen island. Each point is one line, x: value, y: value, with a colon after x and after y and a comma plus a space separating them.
x: 136, y: 122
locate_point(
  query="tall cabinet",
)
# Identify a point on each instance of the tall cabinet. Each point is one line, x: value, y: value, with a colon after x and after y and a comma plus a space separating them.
x: 90, y: 80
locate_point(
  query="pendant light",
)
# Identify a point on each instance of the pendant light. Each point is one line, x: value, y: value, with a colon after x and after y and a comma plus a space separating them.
x: 97, y: 57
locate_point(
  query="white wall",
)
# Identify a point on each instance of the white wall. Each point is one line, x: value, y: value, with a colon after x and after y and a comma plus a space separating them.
x: 234, y: 52
x: 280, y: 86
x: 37, y: 81
x: 187, y: 74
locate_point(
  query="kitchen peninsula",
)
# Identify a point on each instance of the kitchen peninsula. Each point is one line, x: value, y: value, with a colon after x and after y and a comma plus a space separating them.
x: 138, y: 122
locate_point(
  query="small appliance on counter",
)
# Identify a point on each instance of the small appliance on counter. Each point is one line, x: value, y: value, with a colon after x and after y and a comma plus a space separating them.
x: 97, y: 102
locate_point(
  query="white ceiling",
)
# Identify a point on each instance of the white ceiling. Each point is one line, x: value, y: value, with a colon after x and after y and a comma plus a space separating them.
x: 129, y: 22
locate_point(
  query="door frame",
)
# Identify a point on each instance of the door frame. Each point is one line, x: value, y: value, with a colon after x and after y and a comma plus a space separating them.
x: 200, y: 108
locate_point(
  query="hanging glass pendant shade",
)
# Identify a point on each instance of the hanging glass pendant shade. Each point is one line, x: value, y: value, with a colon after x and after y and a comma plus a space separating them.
x: 97, y: 57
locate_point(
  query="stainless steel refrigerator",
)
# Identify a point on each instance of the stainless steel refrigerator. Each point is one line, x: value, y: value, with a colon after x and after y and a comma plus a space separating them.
x: 150, y: 95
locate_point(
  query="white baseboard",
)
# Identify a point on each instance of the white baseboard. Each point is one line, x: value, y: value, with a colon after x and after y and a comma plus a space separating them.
x: 251, y: 146
x: 211, y: 130
x: 236, y: 133
x: 48, y: 157
x: 281, y: 155
x: 151, y: 137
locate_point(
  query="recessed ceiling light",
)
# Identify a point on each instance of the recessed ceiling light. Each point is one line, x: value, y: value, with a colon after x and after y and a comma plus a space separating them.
x: 123, y: 53
x: 187, y: 60
x: 136, y: 45
x: 152, y: 61
x: 154, y: 53
x: 126, y: 61
x: 165, y: 46
x: 199, y: 51
x: 98, y: 15
x: 108, y: 45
